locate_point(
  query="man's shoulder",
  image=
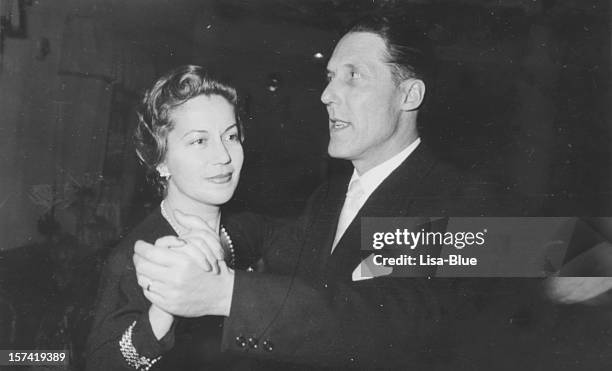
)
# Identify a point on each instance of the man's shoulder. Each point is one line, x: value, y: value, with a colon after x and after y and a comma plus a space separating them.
x: 478, y: 195
x: 440, y: 176
x: 461, y: 180
x: 447, y: 188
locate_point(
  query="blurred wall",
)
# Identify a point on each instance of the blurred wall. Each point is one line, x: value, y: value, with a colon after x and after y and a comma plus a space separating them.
x: 522, y: 97
x: 61, y: 122
x: 29, y: 115
x: 286, y: 123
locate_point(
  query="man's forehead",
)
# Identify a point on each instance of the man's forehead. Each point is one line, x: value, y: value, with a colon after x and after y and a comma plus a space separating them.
x: 358, y: 48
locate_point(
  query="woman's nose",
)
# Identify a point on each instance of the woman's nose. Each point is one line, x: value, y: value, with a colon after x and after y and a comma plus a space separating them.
x: 222, y: 155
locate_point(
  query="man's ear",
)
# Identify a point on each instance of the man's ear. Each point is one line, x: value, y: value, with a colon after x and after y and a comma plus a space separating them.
x: 413, y: 93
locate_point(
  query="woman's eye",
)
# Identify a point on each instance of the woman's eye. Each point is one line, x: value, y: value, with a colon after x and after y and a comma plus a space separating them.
x: 199, y: 141
x: 355, y: 75
x: 233, y: 137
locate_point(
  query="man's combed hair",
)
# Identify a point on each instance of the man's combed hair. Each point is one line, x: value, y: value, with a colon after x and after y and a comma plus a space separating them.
x: 170, y: 91
x: 410, y: 51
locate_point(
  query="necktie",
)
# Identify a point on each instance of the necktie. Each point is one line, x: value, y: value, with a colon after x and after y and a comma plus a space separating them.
x: 352, y: 204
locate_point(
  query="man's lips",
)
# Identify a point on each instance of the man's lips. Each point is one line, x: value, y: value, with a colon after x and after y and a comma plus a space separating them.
x: 337, y: 124
x: 221, y: 178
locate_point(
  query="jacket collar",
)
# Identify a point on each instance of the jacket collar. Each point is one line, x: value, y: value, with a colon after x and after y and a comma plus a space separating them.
x: 392, y: 198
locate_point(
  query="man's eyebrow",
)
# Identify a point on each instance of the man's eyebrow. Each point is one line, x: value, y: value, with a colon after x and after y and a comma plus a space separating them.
x: 195, y: 131
x: 349, y: 66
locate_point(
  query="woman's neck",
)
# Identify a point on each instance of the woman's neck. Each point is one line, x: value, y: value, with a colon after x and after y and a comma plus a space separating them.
x: 175, y: 200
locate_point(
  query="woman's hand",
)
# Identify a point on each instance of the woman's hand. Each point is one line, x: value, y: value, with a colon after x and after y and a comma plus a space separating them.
x: 160, y: 320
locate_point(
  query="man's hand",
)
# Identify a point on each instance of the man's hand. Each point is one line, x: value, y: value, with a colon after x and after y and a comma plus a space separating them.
x: 571, y: 290
x: 584, y: 278
x: 200, y: 234
x: 207, y: 258
x: 177, y: 282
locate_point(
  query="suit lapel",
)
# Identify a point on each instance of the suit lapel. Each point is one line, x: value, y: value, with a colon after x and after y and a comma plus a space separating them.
x: 323, y: 228
x: 392, y: 198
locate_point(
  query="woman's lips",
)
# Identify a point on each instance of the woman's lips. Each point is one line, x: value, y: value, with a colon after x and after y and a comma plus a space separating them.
x: 220, y: 178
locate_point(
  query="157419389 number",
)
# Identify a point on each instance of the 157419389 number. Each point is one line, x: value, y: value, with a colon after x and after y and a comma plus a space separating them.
x: 33, y: 357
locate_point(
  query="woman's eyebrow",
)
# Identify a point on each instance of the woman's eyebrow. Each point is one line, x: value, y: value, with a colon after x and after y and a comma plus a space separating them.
x: 195, y: 131
x: 233, y: 125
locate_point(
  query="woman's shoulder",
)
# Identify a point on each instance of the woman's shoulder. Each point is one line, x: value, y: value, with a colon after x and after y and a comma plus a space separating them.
x: 150, y: 229
x: 249, y: 224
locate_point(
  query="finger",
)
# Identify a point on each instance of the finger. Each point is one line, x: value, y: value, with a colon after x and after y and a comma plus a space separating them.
x: 151, y: 285
x: 155, y: 298
x: 208, y: 241
x: 197, y: 254
x: 205, y: 264
x: 190, y: 221
x: 142, y: 245
x: 162, y: 257
x: 223, y: 267
x: 209, y: 247
x: 147, y: 283
x: 210, y: 258
x: 169, y: 241
x: 143, y: 280
x: 150, y: 269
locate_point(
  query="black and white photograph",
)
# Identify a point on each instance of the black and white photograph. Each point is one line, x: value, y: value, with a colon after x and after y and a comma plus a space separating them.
x: 305, y: 185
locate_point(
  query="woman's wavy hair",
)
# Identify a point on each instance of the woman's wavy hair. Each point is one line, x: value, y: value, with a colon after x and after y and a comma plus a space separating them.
x: 170, y: 91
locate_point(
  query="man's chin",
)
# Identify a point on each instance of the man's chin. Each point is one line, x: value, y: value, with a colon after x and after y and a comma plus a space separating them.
x: 336, y: 151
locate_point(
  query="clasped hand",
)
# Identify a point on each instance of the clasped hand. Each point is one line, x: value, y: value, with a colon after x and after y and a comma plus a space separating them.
x: 186, y: 276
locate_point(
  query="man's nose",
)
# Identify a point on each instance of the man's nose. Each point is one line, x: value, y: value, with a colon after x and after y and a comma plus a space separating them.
x: 329, y: 95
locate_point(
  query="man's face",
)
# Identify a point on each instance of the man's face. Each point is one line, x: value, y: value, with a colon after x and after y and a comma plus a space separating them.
x: 363, y: 102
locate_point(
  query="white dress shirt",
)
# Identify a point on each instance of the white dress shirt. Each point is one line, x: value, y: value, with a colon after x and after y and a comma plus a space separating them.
x: 367, y: 183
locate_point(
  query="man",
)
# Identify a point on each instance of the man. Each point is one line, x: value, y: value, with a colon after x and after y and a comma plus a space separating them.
x: 313, y: 306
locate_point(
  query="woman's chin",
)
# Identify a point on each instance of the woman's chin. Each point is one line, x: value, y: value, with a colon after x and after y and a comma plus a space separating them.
x: 217, y: 197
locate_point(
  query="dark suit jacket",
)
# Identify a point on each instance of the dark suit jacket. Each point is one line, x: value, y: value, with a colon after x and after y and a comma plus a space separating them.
x: 306, y: 309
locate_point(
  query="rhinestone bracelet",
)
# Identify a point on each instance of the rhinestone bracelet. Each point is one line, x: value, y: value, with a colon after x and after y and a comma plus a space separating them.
x: 130, y: 354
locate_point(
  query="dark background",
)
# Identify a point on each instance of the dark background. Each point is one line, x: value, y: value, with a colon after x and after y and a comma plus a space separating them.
x: 522, y: 97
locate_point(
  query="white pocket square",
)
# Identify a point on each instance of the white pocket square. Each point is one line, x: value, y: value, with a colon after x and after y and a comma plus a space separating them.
x: 367, y: 270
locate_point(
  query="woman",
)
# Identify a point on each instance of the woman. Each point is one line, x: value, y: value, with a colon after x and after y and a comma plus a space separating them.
x: 190, y: 138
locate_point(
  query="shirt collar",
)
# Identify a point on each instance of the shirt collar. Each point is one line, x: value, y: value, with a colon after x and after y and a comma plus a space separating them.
x: 372, y: 178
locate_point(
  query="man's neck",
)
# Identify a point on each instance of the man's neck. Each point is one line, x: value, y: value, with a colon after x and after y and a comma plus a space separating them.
x: 367, y: 163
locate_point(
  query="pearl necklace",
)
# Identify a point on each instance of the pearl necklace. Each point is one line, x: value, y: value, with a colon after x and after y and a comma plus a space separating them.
x: 226, y: 240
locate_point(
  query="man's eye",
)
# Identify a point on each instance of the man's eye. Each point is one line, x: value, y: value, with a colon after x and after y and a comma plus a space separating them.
x: 355, y: 75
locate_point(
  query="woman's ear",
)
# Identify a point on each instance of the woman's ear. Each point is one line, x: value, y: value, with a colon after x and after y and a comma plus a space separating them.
x: 163, y: 171
x: 413, y: 93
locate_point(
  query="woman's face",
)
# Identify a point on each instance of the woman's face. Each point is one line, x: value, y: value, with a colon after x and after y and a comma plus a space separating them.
x: 204, y: 154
